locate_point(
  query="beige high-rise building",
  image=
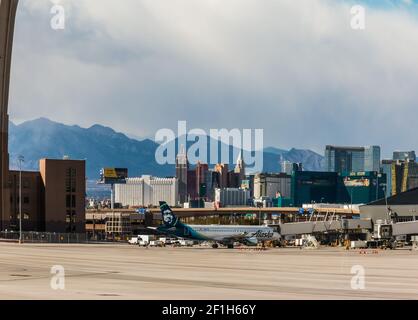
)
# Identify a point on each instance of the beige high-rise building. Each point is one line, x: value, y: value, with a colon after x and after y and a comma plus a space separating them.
x: 63, y: 195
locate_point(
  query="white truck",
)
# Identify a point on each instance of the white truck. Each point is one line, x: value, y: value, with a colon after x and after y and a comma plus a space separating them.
x: 134, y: 240
x: 146, y: 240
x: 156, y: 243
x: 186, y: 243
x: 169, y: 241
x: 141, y: 240
x: 358, y: 244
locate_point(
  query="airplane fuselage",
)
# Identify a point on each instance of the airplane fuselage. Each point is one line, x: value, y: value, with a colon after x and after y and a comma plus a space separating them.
x: 226, y: 234
x: 222, y: 233
x: 219, y: 232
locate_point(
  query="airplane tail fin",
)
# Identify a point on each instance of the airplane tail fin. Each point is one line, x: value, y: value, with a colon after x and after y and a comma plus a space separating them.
x: 169, y: 218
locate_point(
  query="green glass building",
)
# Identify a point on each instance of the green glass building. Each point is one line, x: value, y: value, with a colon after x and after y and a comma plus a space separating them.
x: 313, y: 187
x: 331, y: 187
x: 361, y: 187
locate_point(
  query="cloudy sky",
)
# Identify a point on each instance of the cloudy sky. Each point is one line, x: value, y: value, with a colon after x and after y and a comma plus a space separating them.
x: 294, y: 68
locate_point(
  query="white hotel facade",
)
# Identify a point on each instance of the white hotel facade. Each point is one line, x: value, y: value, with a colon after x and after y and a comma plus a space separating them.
x: 147, y: 191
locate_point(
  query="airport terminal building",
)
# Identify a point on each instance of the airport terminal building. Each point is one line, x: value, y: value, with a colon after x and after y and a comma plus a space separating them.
x: 405, y: 205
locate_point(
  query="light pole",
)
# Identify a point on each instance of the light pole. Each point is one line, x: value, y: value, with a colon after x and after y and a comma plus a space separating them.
x: 21, y: 159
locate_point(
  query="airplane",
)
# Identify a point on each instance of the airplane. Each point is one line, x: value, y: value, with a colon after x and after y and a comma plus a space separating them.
x: 223, y: 234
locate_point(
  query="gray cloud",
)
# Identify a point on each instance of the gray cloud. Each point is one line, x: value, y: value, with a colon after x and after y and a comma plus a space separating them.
x: 294, y: 68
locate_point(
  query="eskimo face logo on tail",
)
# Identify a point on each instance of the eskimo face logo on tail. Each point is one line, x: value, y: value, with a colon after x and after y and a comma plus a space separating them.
x: 168, y: 217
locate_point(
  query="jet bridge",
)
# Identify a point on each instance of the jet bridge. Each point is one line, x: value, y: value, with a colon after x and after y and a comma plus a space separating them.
x: 405, y: 228
x: 329, y: 223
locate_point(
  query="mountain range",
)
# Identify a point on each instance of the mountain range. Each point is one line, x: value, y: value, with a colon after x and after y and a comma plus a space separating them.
x: 102, y: 147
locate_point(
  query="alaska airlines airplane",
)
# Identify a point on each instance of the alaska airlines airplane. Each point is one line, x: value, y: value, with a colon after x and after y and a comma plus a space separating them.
x: 224, y: 234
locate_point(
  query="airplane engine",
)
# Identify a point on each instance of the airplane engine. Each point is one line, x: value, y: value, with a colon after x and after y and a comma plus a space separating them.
x: 252, y: 241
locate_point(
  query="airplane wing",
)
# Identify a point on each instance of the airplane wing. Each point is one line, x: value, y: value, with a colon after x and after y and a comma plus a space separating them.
x: 236, y: 237
x: 165, y: 231
x: 244, y: 238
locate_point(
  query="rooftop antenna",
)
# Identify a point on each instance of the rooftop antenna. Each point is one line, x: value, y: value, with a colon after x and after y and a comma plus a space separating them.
x: 388, y: 209
x: 281, y: 163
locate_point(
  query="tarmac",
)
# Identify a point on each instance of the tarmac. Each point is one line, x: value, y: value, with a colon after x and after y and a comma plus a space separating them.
x: 110, y: 271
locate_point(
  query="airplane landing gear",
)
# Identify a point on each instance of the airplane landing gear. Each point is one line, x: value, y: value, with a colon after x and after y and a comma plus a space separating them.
x: 230, y: 246
x: 215, y: 246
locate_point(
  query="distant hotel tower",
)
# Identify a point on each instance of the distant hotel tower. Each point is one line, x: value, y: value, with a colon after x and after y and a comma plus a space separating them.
x: 7, y: 21
x: 240, y: 168
x: 182, y: 166
x: 352, y: 159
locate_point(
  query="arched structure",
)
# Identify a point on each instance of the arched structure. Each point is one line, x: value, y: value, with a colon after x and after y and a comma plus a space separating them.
x: 7, y: 21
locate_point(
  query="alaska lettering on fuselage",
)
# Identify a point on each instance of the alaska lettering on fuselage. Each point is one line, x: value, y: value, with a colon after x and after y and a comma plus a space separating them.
x: 225, y: 234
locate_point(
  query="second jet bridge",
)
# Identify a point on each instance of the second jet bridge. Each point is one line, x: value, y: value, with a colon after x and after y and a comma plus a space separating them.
x: 324, y: 226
